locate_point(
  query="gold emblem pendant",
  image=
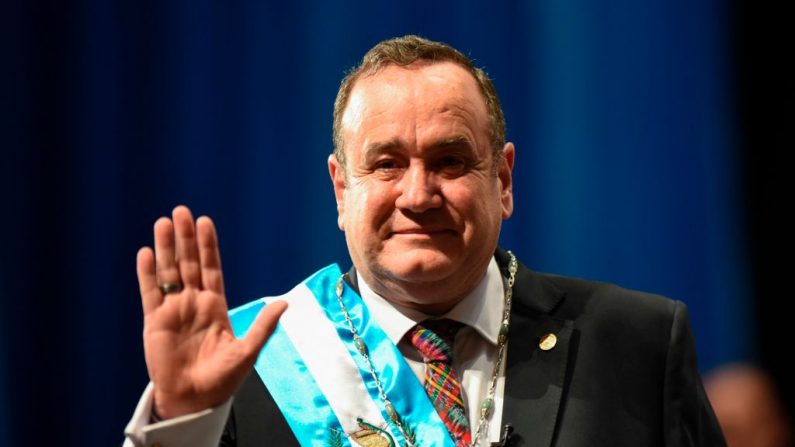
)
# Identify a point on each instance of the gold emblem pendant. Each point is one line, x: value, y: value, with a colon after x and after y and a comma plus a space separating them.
x: 371, y: 436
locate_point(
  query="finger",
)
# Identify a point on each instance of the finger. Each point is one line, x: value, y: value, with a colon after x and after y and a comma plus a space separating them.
x: 165, y: 252
x: 187, y: 252
x: 263, y: 326
x: 151, y: 297
x: 209, y: 255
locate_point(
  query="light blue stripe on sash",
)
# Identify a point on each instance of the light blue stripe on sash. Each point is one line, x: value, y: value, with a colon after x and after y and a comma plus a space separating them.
x: 288, y: 380
x: 397, y: 378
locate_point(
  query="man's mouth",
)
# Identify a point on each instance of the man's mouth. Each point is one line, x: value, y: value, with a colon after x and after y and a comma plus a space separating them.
x: 421, y: 232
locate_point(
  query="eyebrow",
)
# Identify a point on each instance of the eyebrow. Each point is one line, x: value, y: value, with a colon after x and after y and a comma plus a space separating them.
x: 454, y: 141
x: 381, y: 146
x: 385, y: 146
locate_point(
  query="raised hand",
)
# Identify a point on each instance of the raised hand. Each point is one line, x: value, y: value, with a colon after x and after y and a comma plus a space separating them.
x: 193, y: 358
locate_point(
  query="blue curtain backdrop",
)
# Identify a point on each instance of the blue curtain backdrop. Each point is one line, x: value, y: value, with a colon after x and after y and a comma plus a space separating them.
x: 622, y: 112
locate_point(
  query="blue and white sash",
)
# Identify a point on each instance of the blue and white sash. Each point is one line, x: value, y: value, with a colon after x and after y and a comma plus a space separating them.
x: 319, y: 380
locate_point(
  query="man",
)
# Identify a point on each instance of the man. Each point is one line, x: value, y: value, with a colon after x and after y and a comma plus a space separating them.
x: 748, y: 406
x: 436, y: 337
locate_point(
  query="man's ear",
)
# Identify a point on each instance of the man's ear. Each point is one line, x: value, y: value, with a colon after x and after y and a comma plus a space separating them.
x: 337, y: 173
x: 505, y: 175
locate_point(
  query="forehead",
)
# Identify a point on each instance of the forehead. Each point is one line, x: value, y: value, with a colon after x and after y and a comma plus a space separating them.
x: 415, y: 95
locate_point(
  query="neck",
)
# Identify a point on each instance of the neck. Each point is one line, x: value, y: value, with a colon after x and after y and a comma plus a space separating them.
x: 417, y: 297
x: 429, y: 297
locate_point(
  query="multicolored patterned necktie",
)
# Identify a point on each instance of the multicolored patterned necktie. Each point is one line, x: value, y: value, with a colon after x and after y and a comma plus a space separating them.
x: 434, y: 339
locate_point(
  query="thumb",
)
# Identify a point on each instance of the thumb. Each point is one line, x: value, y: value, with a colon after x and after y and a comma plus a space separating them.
x: 263, y: 326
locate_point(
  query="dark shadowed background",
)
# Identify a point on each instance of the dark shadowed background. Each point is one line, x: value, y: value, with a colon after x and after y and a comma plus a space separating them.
x: 650, y: 139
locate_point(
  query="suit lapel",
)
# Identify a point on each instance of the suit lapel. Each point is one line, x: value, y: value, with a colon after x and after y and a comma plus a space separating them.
x: 535, y: 377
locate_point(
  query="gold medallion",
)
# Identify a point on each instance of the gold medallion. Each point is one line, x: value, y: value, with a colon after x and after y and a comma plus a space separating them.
x: 371, y: 436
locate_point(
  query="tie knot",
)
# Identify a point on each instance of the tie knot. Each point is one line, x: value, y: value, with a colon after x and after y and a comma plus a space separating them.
x: 434, y: 339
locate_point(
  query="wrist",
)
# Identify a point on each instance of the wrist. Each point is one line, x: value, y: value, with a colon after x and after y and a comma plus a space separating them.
x: 154, y: 417
x: 168, y: 406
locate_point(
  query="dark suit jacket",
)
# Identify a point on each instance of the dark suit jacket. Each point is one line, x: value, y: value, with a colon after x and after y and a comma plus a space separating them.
x: 622, y: 373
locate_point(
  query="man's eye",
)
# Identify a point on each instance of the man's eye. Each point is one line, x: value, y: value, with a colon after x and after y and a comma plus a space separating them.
x: 452, y: 165
x: 451, y: 161
x: 386, y: 165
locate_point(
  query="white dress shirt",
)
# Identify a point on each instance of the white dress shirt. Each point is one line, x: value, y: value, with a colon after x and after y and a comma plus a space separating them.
x: 475, y: 353
x: 475, y: 347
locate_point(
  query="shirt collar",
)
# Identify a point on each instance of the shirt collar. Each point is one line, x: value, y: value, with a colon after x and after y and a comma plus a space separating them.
x: 481, y: 309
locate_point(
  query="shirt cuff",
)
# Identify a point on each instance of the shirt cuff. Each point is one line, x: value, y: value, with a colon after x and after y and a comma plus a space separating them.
x: 201, y: 429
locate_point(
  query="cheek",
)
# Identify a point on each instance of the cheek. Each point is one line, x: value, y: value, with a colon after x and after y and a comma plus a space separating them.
x: 462, y: 192
x: 366, y: 205
x: 478, y: 203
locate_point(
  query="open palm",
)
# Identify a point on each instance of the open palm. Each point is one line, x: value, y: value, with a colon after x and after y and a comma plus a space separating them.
x: 193, y: 358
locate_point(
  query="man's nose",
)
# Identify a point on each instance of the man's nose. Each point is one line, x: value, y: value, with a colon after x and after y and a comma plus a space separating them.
x: 419, y: 190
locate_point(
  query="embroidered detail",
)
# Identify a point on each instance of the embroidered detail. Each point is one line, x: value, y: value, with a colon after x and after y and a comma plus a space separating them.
x: 372, y: 436
x: 408, y: 431
x: 334, y: 438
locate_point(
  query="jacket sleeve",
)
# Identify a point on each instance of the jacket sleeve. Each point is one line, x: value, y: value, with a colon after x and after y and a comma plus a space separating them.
x: 688, y: 416
x: 255, y: 418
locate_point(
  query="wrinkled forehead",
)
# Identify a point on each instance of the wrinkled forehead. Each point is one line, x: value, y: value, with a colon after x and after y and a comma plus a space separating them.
x: 426, y: 86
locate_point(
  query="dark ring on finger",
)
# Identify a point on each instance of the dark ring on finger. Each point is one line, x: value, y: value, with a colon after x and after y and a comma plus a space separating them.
x: 171, y: 287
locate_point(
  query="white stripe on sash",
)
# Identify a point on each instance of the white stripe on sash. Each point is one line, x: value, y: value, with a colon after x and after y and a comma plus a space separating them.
x: 328, y: 360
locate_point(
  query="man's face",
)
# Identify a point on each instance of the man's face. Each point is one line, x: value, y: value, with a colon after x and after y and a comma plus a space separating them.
x: 421, y: 203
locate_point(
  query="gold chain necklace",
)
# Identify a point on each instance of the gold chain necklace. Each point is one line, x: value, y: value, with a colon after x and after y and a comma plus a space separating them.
x: 486, y: 406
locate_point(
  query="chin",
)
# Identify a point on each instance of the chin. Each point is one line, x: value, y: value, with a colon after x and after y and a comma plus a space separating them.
x: 418, y: 264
